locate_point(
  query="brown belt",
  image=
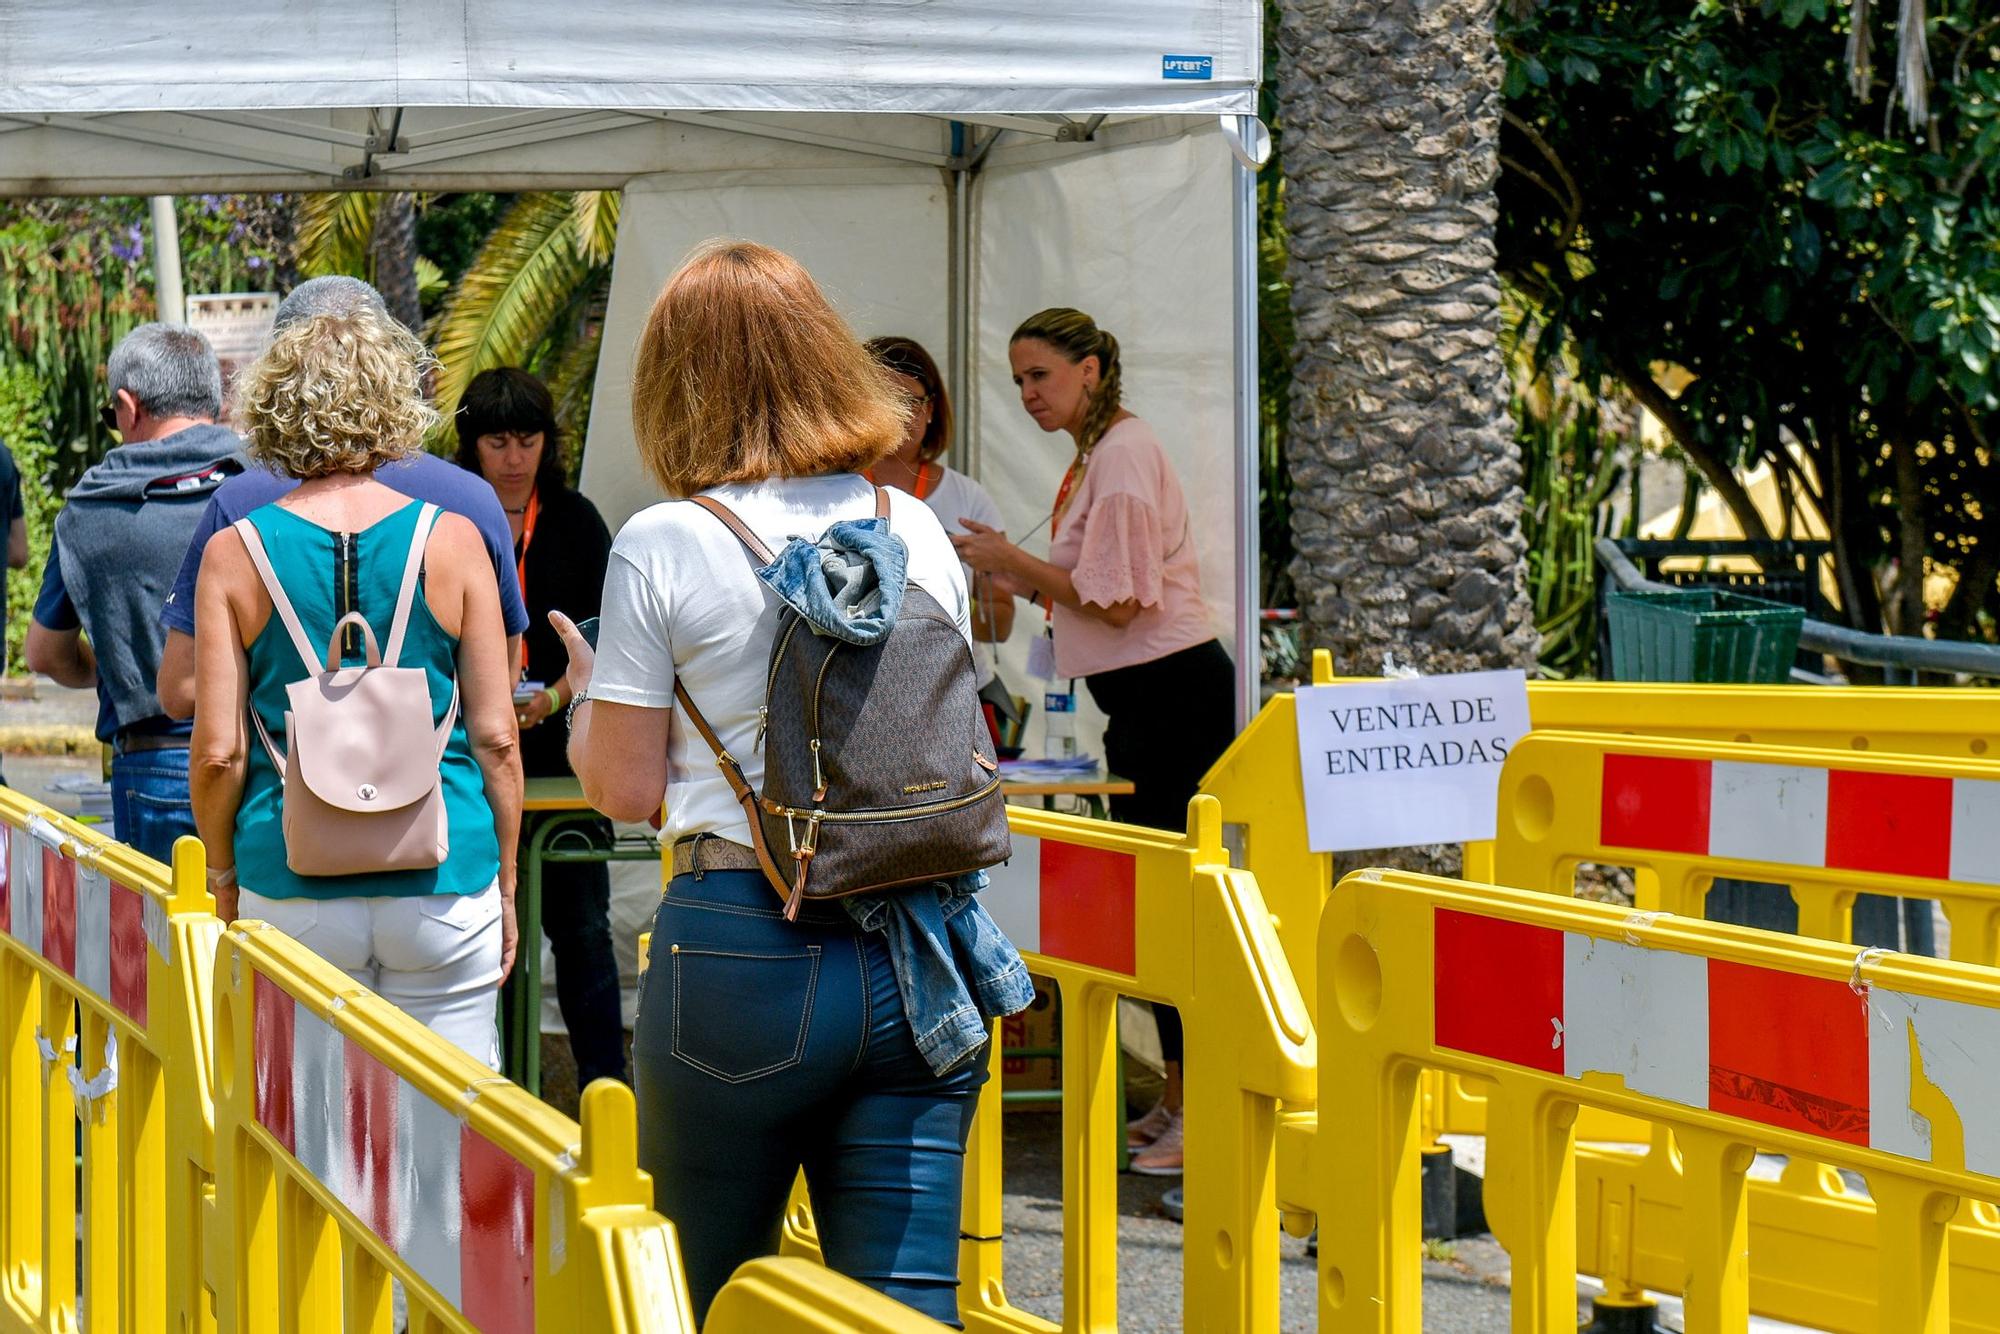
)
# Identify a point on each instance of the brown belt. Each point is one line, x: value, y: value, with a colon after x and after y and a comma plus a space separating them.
x: 132, y: 743
x: 713, y: 854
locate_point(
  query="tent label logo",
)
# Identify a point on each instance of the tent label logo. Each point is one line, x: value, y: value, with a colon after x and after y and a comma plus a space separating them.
x: 1187, y: 67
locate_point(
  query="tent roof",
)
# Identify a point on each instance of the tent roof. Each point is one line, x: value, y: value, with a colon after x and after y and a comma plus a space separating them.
x: 398, y: 93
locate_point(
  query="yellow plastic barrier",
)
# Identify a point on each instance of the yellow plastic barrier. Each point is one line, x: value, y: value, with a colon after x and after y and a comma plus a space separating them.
x: 1107, y: 910
x: 1263, y: 806
x: 105, y: 961
x: 1879, y: 1067
x: 795, y: 1296
x: 356, y: 1147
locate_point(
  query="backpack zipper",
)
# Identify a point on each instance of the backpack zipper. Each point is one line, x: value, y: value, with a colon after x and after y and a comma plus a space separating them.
x: 886, y: 816
x: 777, y: 658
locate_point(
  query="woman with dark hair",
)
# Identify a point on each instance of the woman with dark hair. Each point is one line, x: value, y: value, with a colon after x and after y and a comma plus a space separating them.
x: 918, y: 467
x: 507, y: 433
x: 1124, y: 591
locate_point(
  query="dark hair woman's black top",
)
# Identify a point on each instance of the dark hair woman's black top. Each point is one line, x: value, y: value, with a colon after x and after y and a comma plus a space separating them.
x: 565, y: 572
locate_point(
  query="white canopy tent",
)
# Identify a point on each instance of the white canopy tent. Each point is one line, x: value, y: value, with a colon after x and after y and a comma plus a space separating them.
x: 945, y: 167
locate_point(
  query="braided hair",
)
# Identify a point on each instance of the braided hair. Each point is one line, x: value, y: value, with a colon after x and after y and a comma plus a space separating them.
x: 1076, y: 336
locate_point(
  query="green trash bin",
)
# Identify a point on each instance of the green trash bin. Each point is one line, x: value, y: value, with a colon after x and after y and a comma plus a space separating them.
x: 1701, y: 634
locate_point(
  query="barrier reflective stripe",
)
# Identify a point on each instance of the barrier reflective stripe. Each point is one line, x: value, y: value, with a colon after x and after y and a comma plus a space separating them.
x: 1879, y: 1067
x: 356, y: 1145
x: 104, y: 1047
x: 450, y: 1202
x: 1067, y: 901
x: 1934, y: 827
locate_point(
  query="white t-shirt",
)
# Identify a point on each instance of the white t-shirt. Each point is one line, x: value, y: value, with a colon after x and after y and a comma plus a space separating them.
x: 957, y: 497
x: 681, y: 599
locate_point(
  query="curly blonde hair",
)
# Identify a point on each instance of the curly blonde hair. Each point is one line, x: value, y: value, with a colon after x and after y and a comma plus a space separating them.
x: 337, y: 393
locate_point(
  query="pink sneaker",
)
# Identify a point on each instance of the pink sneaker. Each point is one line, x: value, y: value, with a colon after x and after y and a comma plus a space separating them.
x: 1161, y: 1158
x: 1140, y: 1133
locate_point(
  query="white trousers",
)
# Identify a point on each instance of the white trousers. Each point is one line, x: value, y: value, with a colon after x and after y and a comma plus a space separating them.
x: 434, y: 956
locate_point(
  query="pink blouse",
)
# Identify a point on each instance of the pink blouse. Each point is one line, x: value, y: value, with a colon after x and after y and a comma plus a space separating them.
x: 1126, y: 535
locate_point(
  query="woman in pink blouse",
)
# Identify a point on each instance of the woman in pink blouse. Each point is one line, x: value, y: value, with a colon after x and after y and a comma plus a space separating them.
x: 1123, y: 590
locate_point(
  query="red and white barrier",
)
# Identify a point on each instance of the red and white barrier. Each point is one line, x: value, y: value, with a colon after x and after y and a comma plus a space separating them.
x: 1067, y: 902
x: 78, y: 918
x: 1807, y: 1054
x: 458, y: 1208
x: 1839, y: 819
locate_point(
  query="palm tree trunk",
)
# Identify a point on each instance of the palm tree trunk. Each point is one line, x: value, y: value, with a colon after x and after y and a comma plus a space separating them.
x: 1407, y: 499
x: 393, y: 249
x: 1406, y: 502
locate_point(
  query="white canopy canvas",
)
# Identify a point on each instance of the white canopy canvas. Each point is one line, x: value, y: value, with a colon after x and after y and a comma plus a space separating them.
x: 944, y: 166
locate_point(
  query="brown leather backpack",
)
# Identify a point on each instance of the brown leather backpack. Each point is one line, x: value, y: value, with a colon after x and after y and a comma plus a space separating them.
x: 878, y: 768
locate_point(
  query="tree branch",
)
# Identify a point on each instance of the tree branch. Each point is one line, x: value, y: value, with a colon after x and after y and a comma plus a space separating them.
x: 1718, y: 474
x: 1573, y: 206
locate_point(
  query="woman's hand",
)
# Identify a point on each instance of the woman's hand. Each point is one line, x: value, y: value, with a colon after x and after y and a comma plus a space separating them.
x: 510, y: 936
x: 985, y: 549
x: 535, y: 710
x: 582, y: 657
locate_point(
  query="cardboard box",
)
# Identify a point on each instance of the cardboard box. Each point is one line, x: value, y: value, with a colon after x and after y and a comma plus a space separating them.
x: 1039, y: 1025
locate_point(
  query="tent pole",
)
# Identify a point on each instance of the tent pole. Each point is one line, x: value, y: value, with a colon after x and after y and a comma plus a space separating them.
x: 167, y: 295
x: 1249, y: 582
x: 958, y: 355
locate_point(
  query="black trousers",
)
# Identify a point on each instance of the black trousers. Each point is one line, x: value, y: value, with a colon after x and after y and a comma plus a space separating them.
x: 1166, y: 724
x: 576, y: 918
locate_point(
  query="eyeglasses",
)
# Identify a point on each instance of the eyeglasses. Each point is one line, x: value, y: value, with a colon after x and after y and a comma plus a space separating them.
x: 108, y: 414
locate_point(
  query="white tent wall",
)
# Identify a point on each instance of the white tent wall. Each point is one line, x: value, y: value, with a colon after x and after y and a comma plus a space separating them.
x: 1135, y: 229
x: 876, y: 239
x: 1138, y: 235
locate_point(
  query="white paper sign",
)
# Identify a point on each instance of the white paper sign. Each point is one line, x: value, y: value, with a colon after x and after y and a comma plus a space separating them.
x: 1392, y: 764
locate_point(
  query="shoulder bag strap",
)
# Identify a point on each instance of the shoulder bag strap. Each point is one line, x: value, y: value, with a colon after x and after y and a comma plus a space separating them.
x: 735, y: 525
x: 406, y: 595
x: 881, y: 504
x: 253, y: 542
x: 745, y: 795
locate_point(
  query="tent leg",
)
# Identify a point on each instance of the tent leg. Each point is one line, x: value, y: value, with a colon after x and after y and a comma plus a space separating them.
x: 1249, y: 582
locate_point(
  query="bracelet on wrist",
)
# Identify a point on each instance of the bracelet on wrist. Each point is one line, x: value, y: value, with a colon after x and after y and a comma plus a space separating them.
x: 569, y: 718
x: 555, y: 699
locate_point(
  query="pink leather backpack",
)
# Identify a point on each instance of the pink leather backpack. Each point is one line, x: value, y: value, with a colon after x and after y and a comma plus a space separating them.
x: 358, y: 797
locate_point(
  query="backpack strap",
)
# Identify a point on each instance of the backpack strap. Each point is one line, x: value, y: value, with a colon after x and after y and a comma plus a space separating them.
x: 413, y: 566
x: 746, y: 796
x: 750, y: 540
x: 253, y: 542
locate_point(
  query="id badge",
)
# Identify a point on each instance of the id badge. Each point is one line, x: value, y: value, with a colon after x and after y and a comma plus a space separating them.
x: 1042, y: 658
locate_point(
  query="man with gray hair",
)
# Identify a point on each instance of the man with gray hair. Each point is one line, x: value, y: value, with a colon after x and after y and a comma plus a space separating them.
x: 113, y: 556
x: 422, y: 477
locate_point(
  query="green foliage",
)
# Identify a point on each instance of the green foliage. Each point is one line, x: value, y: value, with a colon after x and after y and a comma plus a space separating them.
x: 24, y: 429
x: 76, y: 275
x: 534, y: 297
x: 1575, y: 462
x: 1696, y: 186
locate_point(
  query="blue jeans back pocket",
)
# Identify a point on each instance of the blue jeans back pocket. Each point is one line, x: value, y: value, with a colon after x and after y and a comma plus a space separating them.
x: 743, y: 1014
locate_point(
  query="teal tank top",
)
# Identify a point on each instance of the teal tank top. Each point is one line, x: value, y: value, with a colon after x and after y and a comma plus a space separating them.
x: 302, y: 554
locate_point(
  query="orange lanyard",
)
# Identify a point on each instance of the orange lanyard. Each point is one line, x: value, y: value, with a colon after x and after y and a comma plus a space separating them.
x: 521, y: 563
x: 923, y: 471
x: 1070, y: 476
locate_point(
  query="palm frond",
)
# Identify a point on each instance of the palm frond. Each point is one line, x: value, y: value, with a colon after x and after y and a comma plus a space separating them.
x: 430, y: 278
x: 333, y: 232
x: 507, y: 301
x: 572, y: 376
x: 596, y: 217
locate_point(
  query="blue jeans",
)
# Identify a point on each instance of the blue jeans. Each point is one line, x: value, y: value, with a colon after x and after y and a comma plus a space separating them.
x: 149, y: 800
x: 764, y: 1046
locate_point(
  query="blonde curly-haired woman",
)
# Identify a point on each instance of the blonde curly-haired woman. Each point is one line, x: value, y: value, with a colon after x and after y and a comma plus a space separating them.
x: 336, y: 397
